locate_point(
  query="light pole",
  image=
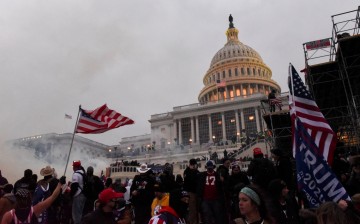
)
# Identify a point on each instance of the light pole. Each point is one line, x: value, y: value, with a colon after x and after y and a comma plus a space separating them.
x: 115, y: 154
x: 110, y: 155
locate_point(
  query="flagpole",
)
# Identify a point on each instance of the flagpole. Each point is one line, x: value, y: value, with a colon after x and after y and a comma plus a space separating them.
x: 72, y: 140
x: 292, y: 88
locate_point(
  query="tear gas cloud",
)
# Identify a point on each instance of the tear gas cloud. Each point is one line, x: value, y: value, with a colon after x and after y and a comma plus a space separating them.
x: 14, y: 160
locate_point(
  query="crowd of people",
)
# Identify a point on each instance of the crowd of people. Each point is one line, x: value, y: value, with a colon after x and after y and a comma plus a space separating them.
x: 222, y: 194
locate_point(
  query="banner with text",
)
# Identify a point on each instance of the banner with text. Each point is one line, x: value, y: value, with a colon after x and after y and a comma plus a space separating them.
x: 314, y: 176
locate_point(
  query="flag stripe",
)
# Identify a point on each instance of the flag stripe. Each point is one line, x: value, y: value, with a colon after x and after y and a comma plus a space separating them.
x: 312, y: 123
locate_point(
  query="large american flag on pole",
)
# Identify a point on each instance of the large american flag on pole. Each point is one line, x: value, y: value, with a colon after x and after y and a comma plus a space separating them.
x: 100, y: 120
x: 303, y: 106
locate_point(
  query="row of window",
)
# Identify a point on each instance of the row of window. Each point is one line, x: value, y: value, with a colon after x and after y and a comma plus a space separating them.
x: 247, y: 71
x: 214, y: 96
x: 216, y: 126
x: 238, y: 52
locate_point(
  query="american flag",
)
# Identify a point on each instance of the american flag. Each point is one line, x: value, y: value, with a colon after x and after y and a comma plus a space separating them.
x: 220, y: 83
x: 276, y: 102
x: 303, y: 106
x: 100, y: 120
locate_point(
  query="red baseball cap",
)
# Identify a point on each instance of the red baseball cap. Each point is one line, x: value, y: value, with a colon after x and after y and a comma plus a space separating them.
x: 108, y: 194
x: 257, y: 151
x: 76, y: 163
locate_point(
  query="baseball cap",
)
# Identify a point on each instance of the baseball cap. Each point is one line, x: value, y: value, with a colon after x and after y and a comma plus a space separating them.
x: 108, y: 194
x: 257, y: 151
x: 193, y: 161
x: 210, y: 164
x: 76, y: 163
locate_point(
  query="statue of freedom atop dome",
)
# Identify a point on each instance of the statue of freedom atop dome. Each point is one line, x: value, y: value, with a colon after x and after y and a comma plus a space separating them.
x: 231, y: 25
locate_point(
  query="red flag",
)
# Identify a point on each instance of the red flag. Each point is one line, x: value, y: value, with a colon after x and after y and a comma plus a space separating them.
x: 100, y: 120
x: 303, y: 106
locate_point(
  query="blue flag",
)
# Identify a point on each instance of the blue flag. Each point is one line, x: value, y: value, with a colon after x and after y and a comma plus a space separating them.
x: 314, y: 176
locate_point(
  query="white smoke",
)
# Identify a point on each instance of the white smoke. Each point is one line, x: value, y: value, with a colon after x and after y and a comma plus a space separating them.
x: 14, y: 160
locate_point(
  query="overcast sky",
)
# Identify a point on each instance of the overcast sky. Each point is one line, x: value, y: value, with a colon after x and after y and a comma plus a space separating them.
x: 140, y: 57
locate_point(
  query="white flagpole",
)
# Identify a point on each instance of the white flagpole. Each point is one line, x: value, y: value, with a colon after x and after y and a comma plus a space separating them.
x: 293, y: 106
x: 72, y: 140
x: 292, y: 87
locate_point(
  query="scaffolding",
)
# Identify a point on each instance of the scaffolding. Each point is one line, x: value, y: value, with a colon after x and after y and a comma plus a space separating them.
x: 333, y: 81
x: 278, y: 132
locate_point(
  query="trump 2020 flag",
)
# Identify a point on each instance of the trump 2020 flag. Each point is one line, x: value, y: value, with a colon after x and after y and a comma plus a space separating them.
x: 303, y: 107
x: 314, y: 176
x: 100, y: 120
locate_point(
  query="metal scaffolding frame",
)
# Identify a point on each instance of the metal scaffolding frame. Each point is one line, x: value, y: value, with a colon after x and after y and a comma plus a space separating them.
x: 278, y: 132
x: 333, y: 64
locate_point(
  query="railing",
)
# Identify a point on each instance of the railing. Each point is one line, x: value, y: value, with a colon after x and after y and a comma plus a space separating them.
x: 178, y: 168
x: 243, y: 149
x: 122, y: 168
x: 235, y: 98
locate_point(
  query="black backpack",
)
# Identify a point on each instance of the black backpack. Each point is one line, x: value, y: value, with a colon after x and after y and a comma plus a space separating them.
x: 86, y: 189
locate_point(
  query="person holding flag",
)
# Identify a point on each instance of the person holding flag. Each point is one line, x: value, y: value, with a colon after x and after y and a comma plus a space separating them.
x: 274, y: 101
x: 313, y: 146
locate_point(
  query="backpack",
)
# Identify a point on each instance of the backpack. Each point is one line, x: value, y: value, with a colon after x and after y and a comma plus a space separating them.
x: 28, y: 219
x: 86, y: 189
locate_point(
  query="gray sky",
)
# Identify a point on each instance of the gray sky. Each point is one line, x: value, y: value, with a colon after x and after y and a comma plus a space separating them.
x: 140, y: 57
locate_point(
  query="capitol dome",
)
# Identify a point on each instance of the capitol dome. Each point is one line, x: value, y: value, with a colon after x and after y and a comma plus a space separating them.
x: 235, y: 49
x: 236, y: 70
